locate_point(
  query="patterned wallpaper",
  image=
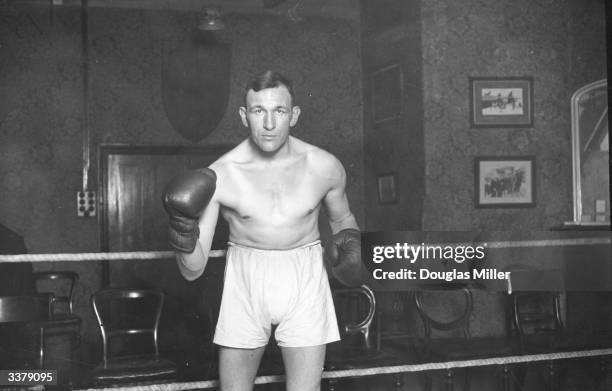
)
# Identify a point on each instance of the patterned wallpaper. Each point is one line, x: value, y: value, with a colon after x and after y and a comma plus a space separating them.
x: 561, y: 44
x: 40, y: 137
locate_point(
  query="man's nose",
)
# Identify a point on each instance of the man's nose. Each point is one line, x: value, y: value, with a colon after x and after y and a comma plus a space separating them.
x: 269, y: 122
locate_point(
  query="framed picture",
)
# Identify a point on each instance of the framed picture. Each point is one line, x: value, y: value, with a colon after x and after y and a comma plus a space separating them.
x: 386, y: 93
x: 504, y: 181
x: 387, y: 188
x: 501, y: 102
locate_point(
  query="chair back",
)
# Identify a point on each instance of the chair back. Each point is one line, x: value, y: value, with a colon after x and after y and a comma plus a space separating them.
x: 125, y: 313
x: 536, y: 301
x: 61, y: 284
x: 445, y: 296
x: 537, y: 314
x: 355, y: 308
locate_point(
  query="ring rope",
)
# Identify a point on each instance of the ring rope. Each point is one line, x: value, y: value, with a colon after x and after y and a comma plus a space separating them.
x: 334, y: 374
x: 111, y: 256
x: 154, y: 255
x: 548, y: 242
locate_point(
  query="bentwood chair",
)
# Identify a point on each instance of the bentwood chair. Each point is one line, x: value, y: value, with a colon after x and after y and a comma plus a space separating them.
x: 355, y: 308
x: 22, y: 330
x: 61, y: 284
x: 447, y: 310
x: 129, y: 321
x: 538, y: 322
x: 64, y: 331
x: 355, y: 311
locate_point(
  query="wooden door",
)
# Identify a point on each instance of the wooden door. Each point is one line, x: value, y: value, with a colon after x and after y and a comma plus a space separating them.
x: 132, y: 182
x: 133, y: 218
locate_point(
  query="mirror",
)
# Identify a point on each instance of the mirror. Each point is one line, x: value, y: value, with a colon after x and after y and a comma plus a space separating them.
x: 590, y: 156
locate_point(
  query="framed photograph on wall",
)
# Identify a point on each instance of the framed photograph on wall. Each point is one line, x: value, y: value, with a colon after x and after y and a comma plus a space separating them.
x: 386, y: 93
x: 504, y: 182
x: 387, y: 188
x: 501, y: 102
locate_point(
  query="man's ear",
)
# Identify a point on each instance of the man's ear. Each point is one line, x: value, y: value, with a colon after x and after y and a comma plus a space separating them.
x: 243, y: 116
x: 295, y: 114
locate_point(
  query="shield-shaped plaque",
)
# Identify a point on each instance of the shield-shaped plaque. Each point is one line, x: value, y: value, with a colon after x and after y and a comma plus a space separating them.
x: 195, y: 85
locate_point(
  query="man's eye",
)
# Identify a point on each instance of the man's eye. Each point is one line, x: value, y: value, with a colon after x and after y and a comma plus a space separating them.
x: 281, y: 111
x: 257, y: 111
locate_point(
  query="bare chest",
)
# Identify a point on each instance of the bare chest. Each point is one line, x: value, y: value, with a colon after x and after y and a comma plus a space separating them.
x: 275, y: 194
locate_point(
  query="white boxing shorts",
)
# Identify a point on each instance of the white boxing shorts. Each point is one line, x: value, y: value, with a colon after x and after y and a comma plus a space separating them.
x: 288, y: 288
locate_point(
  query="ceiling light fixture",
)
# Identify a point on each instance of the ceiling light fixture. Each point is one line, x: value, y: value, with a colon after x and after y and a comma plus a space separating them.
x: 209, y: 19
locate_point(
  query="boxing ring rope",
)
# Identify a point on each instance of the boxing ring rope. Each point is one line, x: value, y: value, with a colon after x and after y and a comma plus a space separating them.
x: 111, y: 256
x: 545, y: 242
x: 154, y: 255
x: 394, y: 369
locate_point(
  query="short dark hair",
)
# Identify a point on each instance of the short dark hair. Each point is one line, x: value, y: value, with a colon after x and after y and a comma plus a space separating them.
x: 268, y: 79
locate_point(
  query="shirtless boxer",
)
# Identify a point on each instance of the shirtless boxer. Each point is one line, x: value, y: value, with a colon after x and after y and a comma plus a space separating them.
x: 269, y: 188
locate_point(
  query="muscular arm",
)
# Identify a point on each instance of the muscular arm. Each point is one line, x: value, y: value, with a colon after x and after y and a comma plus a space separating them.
x: 343, y: 252
x: 336, y: 202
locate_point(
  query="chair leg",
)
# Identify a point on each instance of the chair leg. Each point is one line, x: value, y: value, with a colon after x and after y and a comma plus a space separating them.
x: 552, y: 376
x: 449, y: 380
x: 506, y: 384
x: 467, y: 383
x: 75, y: 356
x: 41, y: 353
x: 331, y: 384
x: 601, y: 378
x: 427, y: 382
x: 398, y: 381
x: 520, y: 373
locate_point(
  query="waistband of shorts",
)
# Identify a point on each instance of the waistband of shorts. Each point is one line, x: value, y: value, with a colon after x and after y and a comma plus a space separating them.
x: 304, y: 246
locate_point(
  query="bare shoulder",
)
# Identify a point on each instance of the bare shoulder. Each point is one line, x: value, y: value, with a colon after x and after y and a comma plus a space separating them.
x: 224, y: 164
x: 323, y: 163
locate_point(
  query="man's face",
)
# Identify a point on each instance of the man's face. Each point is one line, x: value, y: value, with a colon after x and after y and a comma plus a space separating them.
x: 269, y: 115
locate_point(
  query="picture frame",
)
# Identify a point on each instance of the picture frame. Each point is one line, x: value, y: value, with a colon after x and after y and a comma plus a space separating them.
x: 386, y: 93
x: 387, y: 188
x: 505, y: 181
x: 498, y: 102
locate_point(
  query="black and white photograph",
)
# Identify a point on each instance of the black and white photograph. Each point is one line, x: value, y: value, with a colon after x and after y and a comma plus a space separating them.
x: 305, y: 195
x: 505, y: 181
x: 501, y: 102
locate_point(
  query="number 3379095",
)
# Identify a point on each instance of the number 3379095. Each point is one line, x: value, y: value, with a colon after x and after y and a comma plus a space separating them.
x: 27, y: 377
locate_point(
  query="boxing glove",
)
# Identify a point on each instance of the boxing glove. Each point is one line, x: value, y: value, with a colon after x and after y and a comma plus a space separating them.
x: 185, y: 197
x: 343, y: 255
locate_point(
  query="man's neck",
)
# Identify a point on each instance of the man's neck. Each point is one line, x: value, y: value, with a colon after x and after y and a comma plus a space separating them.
x: 284, y: 153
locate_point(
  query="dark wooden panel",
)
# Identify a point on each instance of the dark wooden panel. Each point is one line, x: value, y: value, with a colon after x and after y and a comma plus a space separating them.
x: 133, y: 214
x: 133, y: 179
x: 392, y: 113
x: 136, y: 219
